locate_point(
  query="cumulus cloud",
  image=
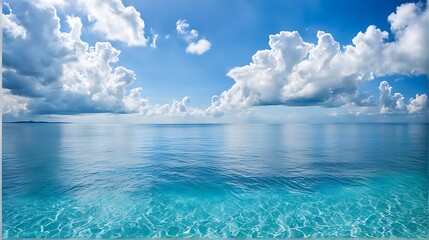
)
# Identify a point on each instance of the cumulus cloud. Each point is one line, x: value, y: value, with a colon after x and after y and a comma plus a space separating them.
x: 294, y: 72
x: 391, y: 103
x: 32, y: 64
x: 55, y: 3
x: 394, y: 103
x: 418, y: 104
x: 215, y: 109
x: 90, y: 80
x: 11, y: 26
x: 51, y: 71
x: 178, y: 108
x: 12, y: 104
x: 134, y: 102
x: 182, y: 27
x: 46, y: 70
x: 199, y: 47
x: 59, y: 72
x: 194, y: 47
x: 115, y: 21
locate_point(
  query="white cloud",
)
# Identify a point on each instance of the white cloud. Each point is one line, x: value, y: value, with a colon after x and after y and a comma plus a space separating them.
x: 177, y: 108
x: 182, y: 27
x: 50, y: 71
x: 34, y: 63
x: 215, y: 109
x: 199, y: 47
x: 394, y: 103
x: 92, y: 78
x: 180, y: 108
x: 134, y: 102
x: 418, y: 104
x: 115, y: 21
x: 294, y: 72
x: 390, y: 103
x: 12, y: 104
x: 11, y: 26
x: 55, y: 3
x: 56, y: 72
x: 154, y: 38
x: 410, y: 51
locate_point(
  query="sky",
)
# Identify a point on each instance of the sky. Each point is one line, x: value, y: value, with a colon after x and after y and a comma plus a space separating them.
x: 215, y: 61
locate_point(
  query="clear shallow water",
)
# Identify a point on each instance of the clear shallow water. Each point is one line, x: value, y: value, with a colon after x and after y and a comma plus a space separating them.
x: 334, y: 180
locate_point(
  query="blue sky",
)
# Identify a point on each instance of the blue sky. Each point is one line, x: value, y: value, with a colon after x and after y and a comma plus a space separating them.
x: 179, y: 84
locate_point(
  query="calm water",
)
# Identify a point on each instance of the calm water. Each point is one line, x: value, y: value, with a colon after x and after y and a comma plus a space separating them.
x: 339, y: 180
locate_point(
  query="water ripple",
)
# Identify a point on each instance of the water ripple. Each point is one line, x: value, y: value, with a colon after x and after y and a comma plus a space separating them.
x: 215, y: 181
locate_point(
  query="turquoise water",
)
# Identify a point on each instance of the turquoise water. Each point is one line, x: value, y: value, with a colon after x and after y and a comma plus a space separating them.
x: 332, y: 180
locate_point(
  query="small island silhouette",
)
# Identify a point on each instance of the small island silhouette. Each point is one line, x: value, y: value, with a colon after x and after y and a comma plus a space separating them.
x: 34, y: 122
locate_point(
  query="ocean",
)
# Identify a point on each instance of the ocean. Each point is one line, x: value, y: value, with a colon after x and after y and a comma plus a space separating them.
x: 68, y: 180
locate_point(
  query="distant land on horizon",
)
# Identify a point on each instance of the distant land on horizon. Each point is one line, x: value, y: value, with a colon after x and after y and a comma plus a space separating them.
x: 34, y: 122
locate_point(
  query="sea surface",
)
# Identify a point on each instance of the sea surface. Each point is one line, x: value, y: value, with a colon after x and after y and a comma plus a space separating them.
x: 215, y: 181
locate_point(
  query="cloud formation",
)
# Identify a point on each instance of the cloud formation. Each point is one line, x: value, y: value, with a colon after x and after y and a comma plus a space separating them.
x: 395, y: 103
x: 194, y: 47
x: 294, y: 72
x: 199, y: 47
x: 32, y: 64
x: 115, y: 21
x: 154, y: 38
x: 50, y: 71
x: 13, y: 104
x: 10, y: 25
x: 90, y: 80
